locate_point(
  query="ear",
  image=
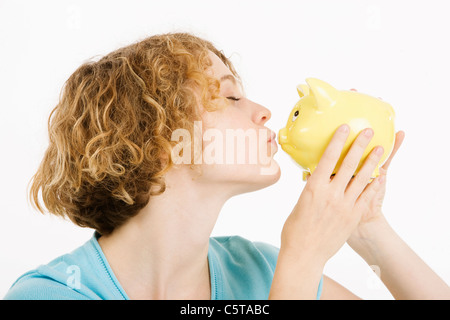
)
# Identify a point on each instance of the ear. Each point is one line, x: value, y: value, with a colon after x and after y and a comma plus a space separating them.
x: 325, y: 95
x: 303, y: 90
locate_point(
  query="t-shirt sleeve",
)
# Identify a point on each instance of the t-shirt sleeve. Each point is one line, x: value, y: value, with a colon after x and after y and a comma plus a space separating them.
x: 270, y: 252
x: 41, y: 288
x: 319, y: 290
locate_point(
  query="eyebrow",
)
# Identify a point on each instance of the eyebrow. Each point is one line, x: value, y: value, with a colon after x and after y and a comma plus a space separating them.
x: 234, y: 80
x: 229, y: 77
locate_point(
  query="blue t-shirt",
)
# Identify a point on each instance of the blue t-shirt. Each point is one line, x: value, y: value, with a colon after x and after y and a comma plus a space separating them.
x: 239, y: 269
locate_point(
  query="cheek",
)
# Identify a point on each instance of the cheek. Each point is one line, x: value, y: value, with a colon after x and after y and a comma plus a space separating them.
x: 225, y: 120
x: 229, y: 138
x: 219, y: 119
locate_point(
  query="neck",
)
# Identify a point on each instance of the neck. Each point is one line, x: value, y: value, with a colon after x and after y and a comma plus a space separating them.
x: 161, y: 253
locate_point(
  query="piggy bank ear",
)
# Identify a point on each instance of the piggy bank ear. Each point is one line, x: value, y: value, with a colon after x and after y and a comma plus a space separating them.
x: 325, y: 95
x: 303, y: 90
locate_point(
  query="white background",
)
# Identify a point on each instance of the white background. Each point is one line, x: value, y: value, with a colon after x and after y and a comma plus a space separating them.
x: 397, y: 50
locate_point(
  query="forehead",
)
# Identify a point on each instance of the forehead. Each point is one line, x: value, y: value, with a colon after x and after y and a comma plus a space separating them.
x: 218, y: 68
x: 221, y: 72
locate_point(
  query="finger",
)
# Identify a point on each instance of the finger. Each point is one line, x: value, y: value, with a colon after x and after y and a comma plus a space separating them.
x: 352, y: 159
x: 357, y: 185
x: 331, y: 155
x: 398, y: 142
x: 365, y: 198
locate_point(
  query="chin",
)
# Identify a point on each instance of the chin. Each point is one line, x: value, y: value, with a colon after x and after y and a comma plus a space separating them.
x: 243, y: 178
x: 271, y: 171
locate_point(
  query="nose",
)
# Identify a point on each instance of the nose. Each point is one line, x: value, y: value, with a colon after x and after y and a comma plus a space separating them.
x: 261, y: 114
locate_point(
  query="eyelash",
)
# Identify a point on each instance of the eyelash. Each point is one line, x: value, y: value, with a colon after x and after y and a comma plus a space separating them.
x: 233, y: 98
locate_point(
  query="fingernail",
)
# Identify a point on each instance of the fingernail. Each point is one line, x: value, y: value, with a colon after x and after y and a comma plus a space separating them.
x: 368, y: 132
x: 379, y: 151
x: 344, y: 128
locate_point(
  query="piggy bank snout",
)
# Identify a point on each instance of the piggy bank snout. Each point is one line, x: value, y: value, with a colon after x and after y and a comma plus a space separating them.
x: 282, y: 136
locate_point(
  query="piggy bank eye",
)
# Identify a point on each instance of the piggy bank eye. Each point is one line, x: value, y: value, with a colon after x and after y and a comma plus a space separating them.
x: 295, y: 115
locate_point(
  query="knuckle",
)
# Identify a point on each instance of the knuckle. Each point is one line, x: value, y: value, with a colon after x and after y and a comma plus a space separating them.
x: 362, y: 141
x: 333, y: 152
x: 335, y: 197
x: 349, y: 165
x: 361, y: 178
x: 374, y: 158
x: 312, y: 187
x: 309, y: 187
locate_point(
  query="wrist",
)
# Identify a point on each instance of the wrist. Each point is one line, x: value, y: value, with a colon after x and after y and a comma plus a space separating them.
x: 370, y: 238
x: 304, y: 260
x: 297, y: 276
x: 372, y: 229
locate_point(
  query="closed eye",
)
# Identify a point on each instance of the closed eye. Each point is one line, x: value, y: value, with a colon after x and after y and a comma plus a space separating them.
x: 233, y: 98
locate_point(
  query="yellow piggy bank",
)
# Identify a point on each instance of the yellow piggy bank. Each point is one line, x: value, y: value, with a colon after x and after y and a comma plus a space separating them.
x: 321, y: 110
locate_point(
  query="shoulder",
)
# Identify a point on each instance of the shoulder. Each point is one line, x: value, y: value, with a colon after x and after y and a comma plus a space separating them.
x: 35, y: 286
x: 242, y: 249
x: 75, y: 275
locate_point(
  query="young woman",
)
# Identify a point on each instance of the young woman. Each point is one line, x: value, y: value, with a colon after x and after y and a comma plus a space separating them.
x: 111, y: 166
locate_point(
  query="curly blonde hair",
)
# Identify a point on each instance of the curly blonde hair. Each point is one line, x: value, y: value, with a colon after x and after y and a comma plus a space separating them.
x: 112, y: 126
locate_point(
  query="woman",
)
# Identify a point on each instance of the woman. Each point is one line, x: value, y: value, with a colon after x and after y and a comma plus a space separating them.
x: 111, y: 166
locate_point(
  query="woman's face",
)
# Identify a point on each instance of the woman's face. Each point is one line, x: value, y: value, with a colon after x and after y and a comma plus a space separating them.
x: 237, y: 148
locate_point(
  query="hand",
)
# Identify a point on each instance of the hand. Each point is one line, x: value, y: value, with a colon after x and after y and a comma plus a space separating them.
x: 329, y: 210
x: 372, y: 212
x: 374, y: 207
